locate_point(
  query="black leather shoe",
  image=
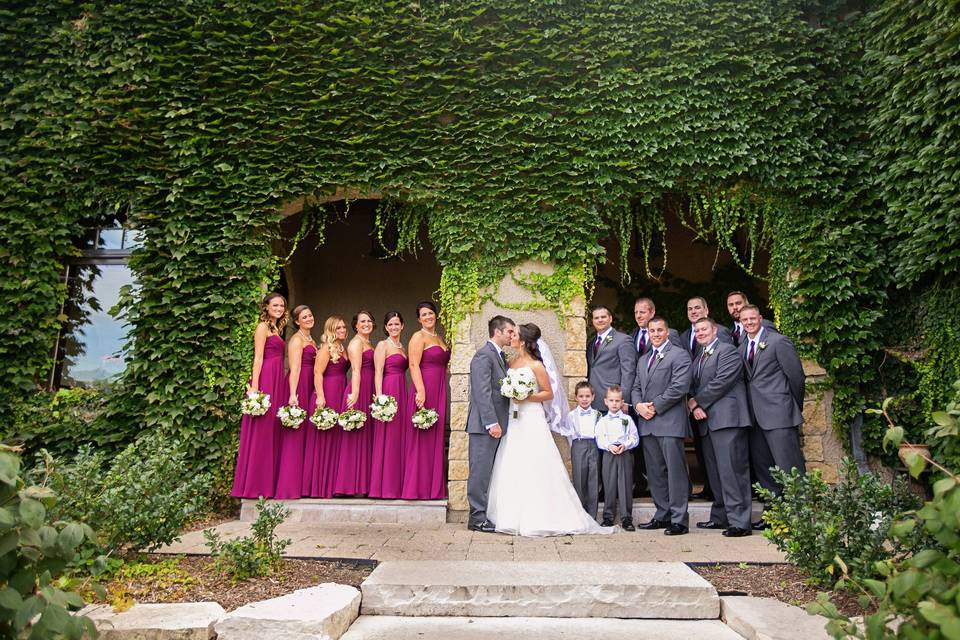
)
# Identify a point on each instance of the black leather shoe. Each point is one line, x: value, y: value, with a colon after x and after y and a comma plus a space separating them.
x: 736, y: 532
x: 702, y: 495
x: 759, y: 525
x: 654, y: 524
x: 627, y: 525
x: 710, y: 524
x: 675, y: 530
x: 606, y: 523
x: 483, y: 527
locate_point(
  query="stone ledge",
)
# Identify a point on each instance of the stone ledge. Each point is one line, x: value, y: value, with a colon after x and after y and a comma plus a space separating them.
x: 769, y: 619
x: 176, y: 621
x: 323, y: 612
x: 415, y: 512
x: 458, y: 628
x: 668, y: 590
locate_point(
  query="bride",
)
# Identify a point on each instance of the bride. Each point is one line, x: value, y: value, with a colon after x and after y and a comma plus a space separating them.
x: 530, y: 491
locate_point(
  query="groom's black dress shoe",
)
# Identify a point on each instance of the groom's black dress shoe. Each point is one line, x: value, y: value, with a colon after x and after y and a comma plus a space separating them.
x: 759, y: 525
x: 627, y: 525
x: 710, y: 524
x: 607, y: 522
x: 736, y: 532
x: 654, y: 524
x: 483, y: 527
x: 675, y: 530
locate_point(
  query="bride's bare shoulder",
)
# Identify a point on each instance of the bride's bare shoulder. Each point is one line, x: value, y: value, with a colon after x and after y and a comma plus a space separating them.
x: 536, y: 365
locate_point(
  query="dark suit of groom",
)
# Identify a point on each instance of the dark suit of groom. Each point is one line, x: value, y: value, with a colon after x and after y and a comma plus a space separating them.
x: 488, y: 407
x: 663, y: 379
x: 775, y: 387
x: 718, y: 389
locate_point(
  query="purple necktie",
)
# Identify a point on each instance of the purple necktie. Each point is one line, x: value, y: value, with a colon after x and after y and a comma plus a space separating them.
x: 642, y: 342
x: 653, y: 356
x: 596, y: 345
x: 736, y: 333
x: 703, y: 358
x: 750, y: 354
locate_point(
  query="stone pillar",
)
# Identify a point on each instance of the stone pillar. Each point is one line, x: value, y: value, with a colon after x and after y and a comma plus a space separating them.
x: 822, y: 448
x: 566, y: 336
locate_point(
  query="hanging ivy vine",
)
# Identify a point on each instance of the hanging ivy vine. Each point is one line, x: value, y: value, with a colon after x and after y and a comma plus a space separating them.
x: 509, y: 130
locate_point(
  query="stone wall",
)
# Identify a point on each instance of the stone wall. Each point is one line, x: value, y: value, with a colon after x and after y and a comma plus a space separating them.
x: 822, y: 448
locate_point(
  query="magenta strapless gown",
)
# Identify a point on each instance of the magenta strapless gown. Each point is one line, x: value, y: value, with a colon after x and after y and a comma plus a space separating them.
x: 322, y: 448
x: 292, y: 441
x: 260, y: 435
x: 386, y: 475
x: 423, y: 469
x: 356, y: 447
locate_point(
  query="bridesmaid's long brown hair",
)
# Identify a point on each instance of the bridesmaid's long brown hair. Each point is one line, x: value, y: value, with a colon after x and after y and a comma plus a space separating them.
x: 265, y: 313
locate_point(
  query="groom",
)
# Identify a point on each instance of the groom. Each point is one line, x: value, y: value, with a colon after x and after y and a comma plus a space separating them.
x: 487, y: 417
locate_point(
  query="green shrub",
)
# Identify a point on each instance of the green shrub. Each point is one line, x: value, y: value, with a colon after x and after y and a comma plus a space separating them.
x: 814, y: 523
x: 35, y: 550
x: 254, y: 555
x: 140, y: 500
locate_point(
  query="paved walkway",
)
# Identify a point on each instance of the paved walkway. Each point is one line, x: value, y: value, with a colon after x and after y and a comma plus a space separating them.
x: 456, y: 542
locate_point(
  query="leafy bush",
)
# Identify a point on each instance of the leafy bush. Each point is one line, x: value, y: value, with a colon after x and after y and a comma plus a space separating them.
x: 254, y: 555
x: 141, y: 500
x: 813, y: 522
x: 35, y: 550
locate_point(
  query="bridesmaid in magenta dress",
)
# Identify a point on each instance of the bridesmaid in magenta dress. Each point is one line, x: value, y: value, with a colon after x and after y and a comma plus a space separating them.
x: 301, y: 354
x: 423, y: 472
x: 260, y: 435
x: 322, y: 448
x: 356, y: 447
x: 390, y: 378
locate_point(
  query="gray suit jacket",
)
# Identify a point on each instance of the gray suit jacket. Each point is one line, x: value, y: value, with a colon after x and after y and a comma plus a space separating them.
x: 766, y: 324
x: 672, y: 336
x: 775, y: 382
x: 719, y: 389
x: 666, y: 385
x: 615, y: 363
x: 487, y: 404
x: 722, y: 332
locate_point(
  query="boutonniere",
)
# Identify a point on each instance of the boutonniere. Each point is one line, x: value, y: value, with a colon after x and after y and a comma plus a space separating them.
x: 660, y: 355
x: 761, y: 345
x: 608, y: 340
x: 708, y: 351
x: 624, y: 422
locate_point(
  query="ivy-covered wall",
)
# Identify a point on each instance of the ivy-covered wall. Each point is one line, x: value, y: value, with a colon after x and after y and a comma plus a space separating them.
x: 511, y: 129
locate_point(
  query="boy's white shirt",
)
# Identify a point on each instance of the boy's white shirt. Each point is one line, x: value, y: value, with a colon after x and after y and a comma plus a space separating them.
x: 612, y: 431
x: 583, y: 426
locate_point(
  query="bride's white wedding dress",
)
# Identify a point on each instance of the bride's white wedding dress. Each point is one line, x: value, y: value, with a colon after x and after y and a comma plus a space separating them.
x: 530, y: 491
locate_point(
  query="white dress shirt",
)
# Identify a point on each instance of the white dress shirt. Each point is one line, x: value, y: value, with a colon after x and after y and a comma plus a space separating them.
x: 615, y: 429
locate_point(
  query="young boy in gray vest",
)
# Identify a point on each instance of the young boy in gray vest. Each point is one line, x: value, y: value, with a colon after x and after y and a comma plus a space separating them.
x: 584, y: 455
x: 616, y: 435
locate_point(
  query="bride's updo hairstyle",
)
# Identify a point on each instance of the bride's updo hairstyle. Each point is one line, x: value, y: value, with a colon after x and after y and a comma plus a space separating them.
x: 529, y: 334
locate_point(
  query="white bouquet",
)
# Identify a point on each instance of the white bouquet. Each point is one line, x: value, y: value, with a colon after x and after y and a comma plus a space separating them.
x: 352, y: 419
x: 383, y: 408
x: 425, y: 418
x: 291, y: 416
x: 324, y: 418
x: 518, y: 384
x: 255, y: 404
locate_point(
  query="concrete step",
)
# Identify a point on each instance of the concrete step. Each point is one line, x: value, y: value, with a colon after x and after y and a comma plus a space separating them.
x: 414, y: 513
x: 667, y: 590
x: 406, y: 628
x: 699, y: 510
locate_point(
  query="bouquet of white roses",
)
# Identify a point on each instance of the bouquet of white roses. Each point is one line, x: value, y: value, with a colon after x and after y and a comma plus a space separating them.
x: 383, y: 408
x: 352, y: 419
x: 255, y: 404
x: 425, y: 418
x: 291, y: 416
x: 324, y: 418
x: 516, y: 385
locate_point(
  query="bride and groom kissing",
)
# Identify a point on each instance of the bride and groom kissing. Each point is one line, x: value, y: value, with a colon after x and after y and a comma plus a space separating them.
x: 517, y: 482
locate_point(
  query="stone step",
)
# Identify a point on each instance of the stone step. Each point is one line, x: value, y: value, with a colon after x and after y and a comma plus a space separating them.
x: 769, y: 619
x: 699, y: 510
x: 668, y: 590
x: 450, y: 628
x: 316, y: 613
x: 413, y: 513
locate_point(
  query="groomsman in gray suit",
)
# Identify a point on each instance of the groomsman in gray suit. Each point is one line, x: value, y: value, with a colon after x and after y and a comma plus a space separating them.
x: 718, y: 402
x: 737, y: 300
x: 611, y: 358
x: 775, y: 387
x: 643, y: 310
x: 486, y: 418
x: 660, y: 392
x: 697, y: 308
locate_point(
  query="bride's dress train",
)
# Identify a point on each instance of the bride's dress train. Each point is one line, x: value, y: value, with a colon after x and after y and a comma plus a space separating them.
x: 530, y: 491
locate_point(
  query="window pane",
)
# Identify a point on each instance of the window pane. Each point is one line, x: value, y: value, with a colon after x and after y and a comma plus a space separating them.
x: 110, y: 239
x: 92, y: 339
x: 132, y: 239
